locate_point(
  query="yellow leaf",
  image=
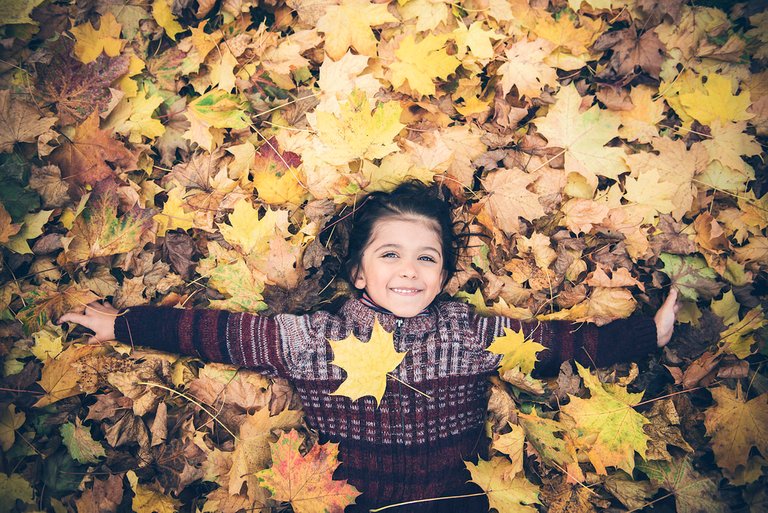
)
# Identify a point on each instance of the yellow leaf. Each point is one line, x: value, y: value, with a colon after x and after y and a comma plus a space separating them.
x: 48, y: 344
x: 518, y: 352
x: 509, y: 199
x: 127, y: 84
x: 739, y: 337
x: 729, y: 142
x: 149, y: 498
x: 421, y: 63
x: 525, y: 68
x: 174, y: 215
x: 603, y: 306
x: 393, y: 170
x: 650, y: 194
x: 133, y: 117
x: 349, y: 26
x: 57, y: 378
x: 610, y: 430
x: 367, y: 364
x: 250, y: 233
x: 90, y: 42
x: 252, y: 452
x: 507, y: 494
x: 223, y: 70
x: 736, y: 425
x: 639, y: 124
x: 161, y: 11
x: 714, y: 100
x: 583, y: 136
x: 476, y: 39
x: 10, y: 421
x: 357, y: 131
x: 429, y: 14
x: 31, y: 229
x: 228, y: 273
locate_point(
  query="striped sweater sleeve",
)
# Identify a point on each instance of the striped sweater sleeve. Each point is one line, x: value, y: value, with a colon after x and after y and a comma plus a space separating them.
x: 623, y: 340
x: 241, y: 339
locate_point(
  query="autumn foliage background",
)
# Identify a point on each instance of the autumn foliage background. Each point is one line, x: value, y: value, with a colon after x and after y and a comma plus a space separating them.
x: 206, y: 153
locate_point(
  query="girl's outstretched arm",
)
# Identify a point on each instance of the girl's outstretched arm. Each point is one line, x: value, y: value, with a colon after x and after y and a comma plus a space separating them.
x: 623, y: 340
x: 246, y: 340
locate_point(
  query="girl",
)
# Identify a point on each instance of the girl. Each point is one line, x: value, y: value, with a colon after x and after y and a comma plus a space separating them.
x: 402, y: 252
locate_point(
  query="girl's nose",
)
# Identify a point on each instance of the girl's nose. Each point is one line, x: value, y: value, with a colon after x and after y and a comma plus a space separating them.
x: 408, y: 270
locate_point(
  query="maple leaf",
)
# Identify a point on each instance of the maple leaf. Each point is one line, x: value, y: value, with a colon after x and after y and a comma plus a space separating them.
x: 518, y: 352
x: 100, y: 231
x: 631, y: 49
x: 252, y: 449
x: 610, y: 430
x: 215, y: 109
x: 690, y: 275
x: 46, y: 303
x: 161, y: 12
x: 475, y: 38
x: 78, y: 89
x: 10, y: 421
x: 252, y: 234
x: 148, y: 498
x: 367, y: 364
x: 649, y: 194
x: 639, y: 123
x: 349, y: 26
x: 48, y: 343
x: 583, y: 136
x: 306, y: 481
x: 277, y: 177
x: 551, y: 441
x: 739, y: 337
x: 57, y: 379
x: 735, y: 426
x: 174, y: 214
x: 7, y: 228
x: 14, y: 487
x: 514, y: 494
x: 525, y: 68
x: 91, y: 42
x: 232, y: 276
x: 509, y: 199
x: 358, y: 131
x: 511, y: 444
x: 714, y: 100
x: 729, y: 143
x: 693, y: 491
x: 83, y: 158
x: 133, y: 117
x: 82, y: 447
x: 421, y: 63
x: 20, y: 122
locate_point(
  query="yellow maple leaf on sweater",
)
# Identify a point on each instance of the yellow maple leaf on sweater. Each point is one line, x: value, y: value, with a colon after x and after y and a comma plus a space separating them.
x: 367, y: 364
x: 91, y: 42
x: 421, y: 63
x: 518, y: 352
x: 349, y: 26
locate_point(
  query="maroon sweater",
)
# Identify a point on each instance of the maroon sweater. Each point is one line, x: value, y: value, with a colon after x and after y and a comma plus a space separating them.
x: 409, y: 447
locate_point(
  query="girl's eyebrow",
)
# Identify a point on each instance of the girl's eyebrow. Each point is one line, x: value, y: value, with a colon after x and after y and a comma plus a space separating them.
x: 398, y: 246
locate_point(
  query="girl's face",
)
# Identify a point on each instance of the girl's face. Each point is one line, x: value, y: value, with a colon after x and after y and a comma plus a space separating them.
x: 402, y: 265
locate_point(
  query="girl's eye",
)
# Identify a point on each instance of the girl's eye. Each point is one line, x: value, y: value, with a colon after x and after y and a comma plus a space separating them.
x: 427, y: 258
x: 389, y: 254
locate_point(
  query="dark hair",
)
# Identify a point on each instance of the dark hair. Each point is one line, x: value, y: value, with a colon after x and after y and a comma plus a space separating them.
x: 409, y: 199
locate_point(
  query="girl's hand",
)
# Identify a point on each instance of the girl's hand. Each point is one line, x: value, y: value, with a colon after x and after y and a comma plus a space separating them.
x: 665, y: 318
x: 98, y: 317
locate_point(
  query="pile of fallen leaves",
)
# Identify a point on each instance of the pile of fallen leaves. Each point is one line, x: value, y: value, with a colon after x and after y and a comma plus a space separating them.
x: 204, y: 153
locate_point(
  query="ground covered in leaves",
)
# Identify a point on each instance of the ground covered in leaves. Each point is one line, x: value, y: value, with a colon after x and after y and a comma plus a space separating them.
x: 207, y: 153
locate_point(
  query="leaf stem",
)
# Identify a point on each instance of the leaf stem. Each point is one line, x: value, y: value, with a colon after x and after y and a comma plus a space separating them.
x: 409, y: 386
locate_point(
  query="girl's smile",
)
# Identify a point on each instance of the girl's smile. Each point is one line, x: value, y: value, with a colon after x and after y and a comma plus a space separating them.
x: 402, y: 265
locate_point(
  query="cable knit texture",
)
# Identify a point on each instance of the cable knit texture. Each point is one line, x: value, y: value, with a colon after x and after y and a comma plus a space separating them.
x: 409, y: 447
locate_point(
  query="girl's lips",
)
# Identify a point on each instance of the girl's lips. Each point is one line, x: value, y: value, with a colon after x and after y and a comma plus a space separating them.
x: 407, y: 292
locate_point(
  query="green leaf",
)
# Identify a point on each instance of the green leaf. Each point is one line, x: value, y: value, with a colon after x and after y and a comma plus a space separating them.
x: 691, y: 276
x: 220, y: 109
x: 693, y: 492
x: 13, y: 488
x: 61, y: 474
x: 81, y: 445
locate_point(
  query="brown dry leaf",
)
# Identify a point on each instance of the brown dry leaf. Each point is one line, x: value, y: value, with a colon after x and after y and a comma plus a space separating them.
x: 20, y: 122
x: 84, y: 159
x: 509, y: 199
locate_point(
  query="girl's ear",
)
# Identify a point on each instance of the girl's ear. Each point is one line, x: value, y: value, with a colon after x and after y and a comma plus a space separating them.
x: 358, y: 279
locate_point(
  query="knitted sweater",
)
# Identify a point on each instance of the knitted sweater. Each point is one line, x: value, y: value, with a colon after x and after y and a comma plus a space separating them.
x: 409, y: 447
